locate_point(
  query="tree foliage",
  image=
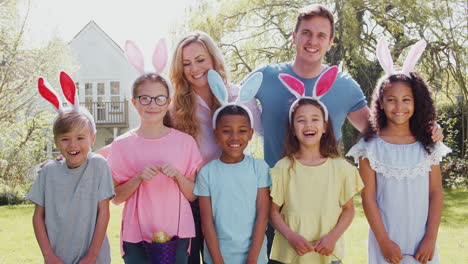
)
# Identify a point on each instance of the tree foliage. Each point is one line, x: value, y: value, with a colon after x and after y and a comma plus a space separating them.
x: 25, y: 124
x: 252, y: 33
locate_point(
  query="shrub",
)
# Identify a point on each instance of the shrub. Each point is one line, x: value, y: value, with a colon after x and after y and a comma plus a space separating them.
x: 454, y: 168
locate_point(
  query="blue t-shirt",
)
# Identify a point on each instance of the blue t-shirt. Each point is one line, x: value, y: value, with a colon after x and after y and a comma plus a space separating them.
x: 345, y: 97
x: 233, y: 190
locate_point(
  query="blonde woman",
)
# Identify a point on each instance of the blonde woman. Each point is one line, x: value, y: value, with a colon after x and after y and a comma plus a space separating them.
x: 193, y: 103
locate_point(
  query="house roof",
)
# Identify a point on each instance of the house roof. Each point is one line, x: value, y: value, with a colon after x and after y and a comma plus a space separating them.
x: 91, y: 24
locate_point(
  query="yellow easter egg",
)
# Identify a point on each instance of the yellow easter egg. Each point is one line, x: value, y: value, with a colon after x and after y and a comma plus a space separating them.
x: 161, y: 237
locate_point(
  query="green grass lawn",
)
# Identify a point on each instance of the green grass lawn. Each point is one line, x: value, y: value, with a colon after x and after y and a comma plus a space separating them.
x: 18, y: 244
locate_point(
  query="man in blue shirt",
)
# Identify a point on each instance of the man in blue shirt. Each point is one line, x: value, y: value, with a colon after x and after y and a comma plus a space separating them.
x: 313, y: 38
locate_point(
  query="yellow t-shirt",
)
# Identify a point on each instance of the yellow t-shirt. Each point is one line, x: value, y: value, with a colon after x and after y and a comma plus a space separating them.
x: 311, y: 198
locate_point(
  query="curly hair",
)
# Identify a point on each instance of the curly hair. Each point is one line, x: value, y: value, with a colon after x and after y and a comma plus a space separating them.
x: 328, y: 143
x: 424, y: 110
x: 184, y: 106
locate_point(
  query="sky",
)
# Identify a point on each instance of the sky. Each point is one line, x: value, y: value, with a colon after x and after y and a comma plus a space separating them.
x: 143, y: 21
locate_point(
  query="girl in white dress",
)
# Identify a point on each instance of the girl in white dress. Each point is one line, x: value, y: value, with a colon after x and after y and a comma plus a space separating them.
x: 399, y: 165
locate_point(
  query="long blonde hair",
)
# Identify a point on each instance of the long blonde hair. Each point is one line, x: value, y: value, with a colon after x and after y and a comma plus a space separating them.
x: 184, y: 106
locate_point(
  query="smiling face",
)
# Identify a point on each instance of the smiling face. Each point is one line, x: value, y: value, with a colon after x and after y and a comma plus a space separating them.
x: 398, y: 103
x: 75, y: 145
x: 151, y: 113
x: 312, y: 40
x: 309, y: 125
x: 233, y: 133
x: 197, y: 62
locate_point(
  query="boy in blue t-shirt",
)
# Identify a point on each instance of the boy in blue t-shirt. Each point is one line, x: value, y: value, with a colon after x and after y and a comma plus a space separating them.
x: 233, y: 194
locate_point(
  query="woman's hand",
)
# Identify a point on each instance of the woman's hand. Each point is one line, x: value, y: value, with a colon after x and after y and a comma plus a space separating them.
x: 436, y: 132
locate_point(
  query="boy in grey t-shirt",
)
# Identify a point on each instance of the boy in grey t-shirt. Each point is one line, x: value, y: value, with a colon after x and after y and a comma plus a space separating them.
x: 72, y: 195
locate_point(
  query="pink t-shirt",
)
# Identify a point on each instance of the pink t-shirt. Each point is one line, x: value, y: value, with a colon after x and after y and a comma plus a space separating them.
x: 155, y: 204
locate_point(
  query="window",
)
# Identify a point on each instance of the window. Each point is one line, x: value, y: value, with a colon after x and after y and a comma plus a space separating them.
x: 88, y: 89
x: 115, y: 88
x: 115, y: 96
x: 89, y: 96
x: 100, y: 89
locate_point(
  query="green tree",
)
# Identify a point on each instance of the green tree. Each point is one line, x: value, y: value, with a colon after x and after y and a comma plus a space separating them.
x: 24, y: 119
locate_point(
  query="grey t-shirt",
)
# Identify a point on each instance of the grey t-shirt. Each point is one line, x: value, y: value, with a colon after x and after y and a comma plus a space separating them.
x: 70, y: 198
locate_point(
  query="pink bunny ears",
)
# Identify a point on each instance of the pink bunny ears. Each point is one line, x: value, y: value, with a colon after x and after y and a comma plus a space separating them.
x: 322, y: 86
x: 135, y: 56
x: 159, y: 58
x: 385, y: 57
x: 70, y: 93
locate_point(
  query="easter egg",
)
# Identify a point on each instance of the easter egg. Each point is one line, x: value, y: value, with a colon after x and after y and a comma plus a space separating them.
x: 161, y: 237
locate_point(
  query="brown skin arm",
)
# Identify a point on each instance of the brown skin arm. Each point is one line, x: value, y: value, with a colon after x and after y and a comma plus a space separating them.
x: 426, y: 249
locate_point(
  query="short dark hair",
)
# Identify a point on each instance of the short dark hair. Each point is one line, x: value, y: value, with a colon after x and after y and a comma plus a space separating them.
x: 315, y: 10
x: 232, y: 110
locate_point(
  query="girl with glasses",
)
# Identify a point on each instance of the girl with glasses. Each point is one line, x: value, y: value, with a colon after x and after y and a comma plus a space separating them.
x: 154, y: 168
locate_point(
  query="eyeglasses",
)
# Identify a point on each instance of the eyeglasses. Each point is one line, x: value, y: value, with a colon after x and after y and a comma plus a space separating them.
x: 146, y: 99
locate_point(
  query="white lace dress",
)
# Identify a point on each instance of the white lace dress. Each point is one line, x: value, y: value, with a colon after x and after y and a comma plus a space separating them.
x: 402, y: 186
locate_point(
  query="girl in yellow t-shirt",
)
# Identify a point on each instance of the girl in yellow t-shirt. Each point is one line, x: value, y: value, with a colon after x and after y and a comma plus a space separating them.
x: 312, y: 187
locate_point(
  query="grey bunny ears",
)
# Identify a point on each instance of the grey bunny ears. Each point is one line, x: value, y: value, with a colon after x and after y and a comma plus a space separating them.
x: 247, y: 92
x: 70, y: 93
x: 159, y: 58
x: 385, y: 57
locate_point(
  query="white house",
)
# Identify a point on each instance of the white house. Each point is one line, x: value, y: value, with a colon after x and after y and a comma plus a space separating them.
x: 104, y: 81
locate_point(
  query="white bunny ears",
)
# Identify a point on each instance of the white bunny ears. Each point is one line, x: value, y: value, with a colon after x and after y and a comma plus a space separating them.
x: 70, y: 93
x: 247, y: 91
x: 385, y: 57
x: 322, y: 86
x: 159, y: 60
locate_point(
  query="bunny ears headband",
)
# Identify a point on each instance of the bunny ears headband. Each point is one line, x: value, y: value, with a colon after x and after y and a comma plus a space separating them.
x: 70, y: 93
x: 247, y: 92
x: 321, y: 87
x: 385, y: 57
x: 159, y: 58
